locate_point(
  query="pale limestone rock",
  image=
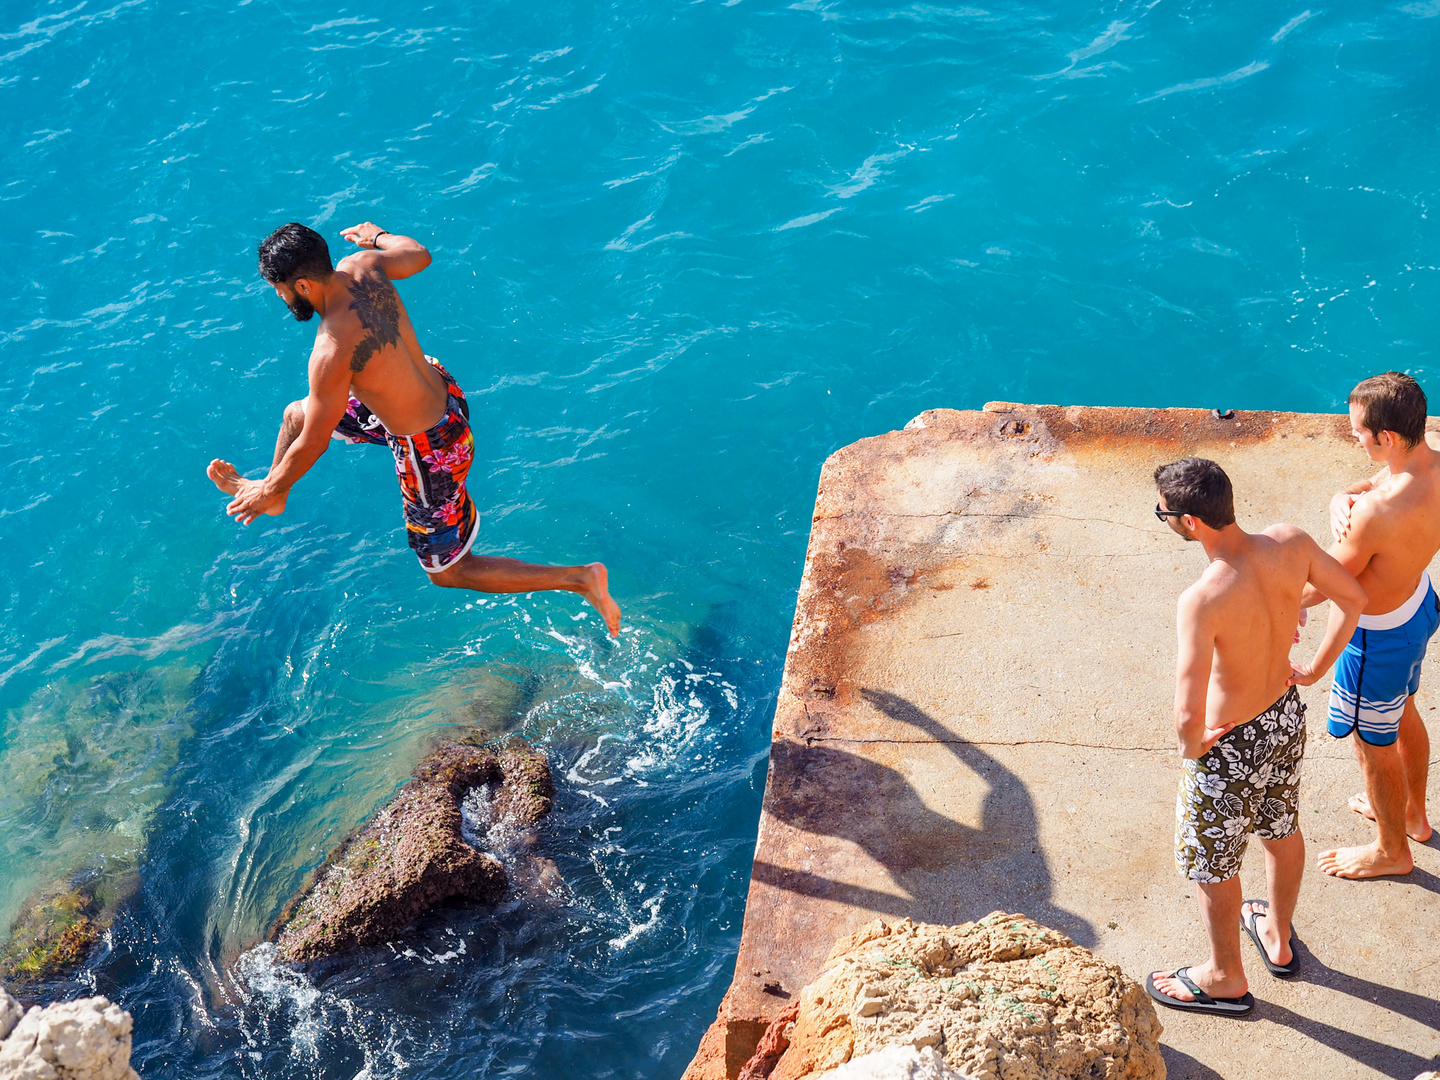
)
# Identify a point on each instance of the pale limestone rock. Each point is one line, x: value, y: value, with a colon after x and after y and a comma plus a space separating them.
x: 10, y: 1013
x: 896, y: 1063
x: 1000, y: 997
x: 87, y: 1039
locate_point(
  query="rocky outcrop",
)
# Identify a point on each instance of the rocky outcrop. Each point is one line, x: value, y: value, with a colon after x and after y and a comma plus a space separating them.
x: 1001, y: 997
x: 10, y: 1013
x: 413, y: 855
x: 897, y: 1063
x: 87, y: 1039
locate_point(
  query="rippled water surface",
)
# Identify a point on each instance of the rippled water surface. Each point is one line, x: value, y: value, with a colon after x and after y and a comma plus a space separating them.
x: 682, y: 252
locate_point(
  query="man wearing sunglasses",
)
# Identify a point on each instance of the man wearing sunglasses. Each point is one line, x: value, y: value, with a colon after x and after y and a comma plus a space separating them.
x: 1241, y: 725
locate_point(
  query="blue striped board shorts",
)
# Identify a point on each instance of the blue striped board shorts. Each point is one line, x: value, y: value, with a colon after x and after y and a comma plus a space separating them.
x: 1380, y: 668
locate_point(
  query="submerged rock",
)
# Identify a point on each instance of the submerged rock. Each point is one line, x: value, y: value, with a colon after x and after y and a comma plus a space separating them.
x: 413, y: 855
x: 1001, y: 997
x: 87, y: 1039
x: 58, y: 927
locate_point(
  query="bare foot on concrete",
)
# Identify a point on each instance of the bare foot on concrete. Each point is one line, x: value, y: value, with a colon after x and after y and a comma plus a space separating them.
x: 1203, y: 976
x: 228, y: 479
x: 1417, y: 828
x: 597, y: 591
x: 1364, y: 862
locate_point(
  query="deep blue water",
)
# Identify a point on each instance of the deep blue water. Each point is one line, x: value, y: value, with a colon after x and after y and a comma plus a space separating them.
x: 683, y: 251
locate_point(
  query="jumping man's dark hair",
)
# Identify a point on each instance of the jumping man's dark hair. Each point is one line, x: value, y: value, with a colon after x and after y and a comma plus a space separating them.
x: 1200, y: 488
x: 1392, y: 402
x: 295, y: 251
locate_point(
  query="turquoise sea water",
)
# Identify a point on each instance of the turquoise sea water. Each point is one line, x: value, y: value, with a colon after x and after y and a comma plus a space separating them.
x: 682, y: 252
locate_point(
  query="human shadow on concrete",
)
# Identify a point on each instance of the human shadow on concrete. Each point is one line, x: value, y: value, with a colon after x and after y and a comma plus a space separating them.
x: 1426, y: 880
x: 1181, y: 1066
x: 1417, y: 1007
x: 1383, y: 1058
x: 951, y: 872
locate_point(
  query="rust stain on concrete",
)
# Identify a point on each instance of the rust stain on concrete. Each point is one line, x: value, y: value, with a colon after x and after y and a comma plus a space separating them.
x: 975, y: 714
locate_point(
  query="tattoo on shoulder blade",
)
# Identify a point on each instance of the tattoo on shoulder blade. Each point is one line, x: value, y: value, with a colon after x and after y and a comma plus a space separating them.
x: 378, y: 308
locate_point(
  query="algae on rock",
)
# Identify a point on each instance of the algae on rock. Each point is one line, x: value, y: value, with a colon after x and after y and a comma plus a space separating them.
x: 83, y: 772
x: 54, y: 933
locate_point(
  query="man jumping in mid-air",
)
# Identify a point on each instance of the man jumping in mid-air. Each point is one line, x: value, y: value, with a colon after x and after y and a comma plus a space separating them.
x: 371, y: 383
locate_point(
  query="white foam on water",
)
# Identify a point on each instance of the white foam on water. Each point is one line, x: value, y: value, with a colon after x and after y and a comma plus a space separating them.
x: 652, y: 906
x: 309, y: 1020
x: 482, y: 831
x: 279, y: 990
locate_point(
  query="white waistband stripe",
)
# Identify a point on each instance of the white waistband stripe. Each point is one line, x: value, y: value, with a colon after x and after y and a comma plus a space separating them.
x: 1402, y: 614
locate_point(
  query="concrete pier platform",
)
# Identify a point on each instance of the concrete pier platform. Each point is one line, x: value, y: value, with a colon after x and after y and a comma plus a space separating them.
x: 976, y: 714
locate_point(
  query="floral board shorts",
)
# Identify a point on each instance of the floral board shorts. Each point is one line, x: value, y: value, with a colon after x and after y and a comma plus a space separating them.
x: 441, y: 521
x: 1249, y: 782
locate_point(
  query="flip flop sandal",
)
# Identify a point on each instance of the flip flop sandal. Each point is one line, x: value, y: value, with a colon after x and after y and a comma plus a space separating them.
x: 1203, y: 1002
x: 1280, y: 971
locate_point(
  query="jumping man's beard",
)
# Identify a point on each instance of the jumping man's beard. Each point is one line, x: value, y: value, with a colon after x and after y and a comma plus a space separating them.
x: 301, y: 308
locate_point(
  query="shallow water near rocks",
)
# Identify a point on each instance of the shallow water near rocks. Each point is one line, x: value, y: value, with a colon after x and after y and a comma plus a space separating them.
x: 683, y: 251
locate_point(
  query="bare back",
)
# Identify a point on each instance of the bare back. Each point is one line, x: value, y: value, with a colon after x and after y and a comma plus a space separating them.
x: 1394, y: 532
x: 388, y: 369
x: 1250, y: 600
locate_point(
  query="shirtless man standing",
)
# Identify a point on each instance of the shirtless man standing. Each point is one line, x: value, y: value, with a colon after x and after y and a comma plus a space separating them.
x: 1241, y: 726
x: 370, y: 382
x: 1387, y: 530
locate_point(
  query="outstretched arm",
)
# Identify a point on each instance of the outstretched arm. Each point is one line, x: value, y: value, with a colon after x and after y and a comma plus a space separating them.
x: 1333, y: 579
x: 324, y: 406
x: 1192, y: 678
x: 395, y: 256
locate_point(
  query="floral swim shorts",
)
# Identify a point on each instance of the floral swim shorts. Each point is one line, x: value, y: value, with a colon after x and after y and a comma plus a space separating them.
x: 1249, y: 782
x: 441, y: 521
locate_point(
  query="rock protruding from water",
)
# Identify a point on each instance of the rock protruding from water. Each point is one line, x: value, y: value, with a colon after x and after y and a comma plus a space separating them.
x: 87, y: 1039
x: 1002, y: 997
x: 413, y: 855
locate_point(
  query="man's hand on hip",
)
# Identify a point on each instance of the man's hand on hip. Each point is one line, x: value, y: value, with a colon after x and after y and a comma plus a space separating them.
x: 1300, y: 675
x: 1210, y: 738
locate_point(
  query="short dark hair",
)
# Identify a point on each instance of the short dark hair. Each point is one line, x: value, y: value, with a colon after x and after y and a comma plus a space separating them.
x: 295, y: 251
x: 1392, y: 402
x: 1200, y: 488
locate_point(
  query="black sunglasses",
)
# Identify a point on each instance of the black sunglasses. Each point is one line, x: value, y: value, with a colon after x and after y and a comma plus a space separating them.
x: 1163, y: 514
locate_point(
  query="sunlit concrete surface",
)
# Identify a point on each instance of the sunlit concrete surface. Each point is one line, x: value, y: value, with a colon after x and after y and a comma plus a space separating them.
x: 976, y: 714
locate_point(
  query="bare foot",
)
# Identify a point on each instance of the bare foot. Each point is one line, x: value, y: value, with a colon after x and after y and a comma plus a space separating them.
x: 1202, y: 976
x: 598, y: 593
x: 1364, y: 862
x: 1418, y: 829
x: 228, y: 479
